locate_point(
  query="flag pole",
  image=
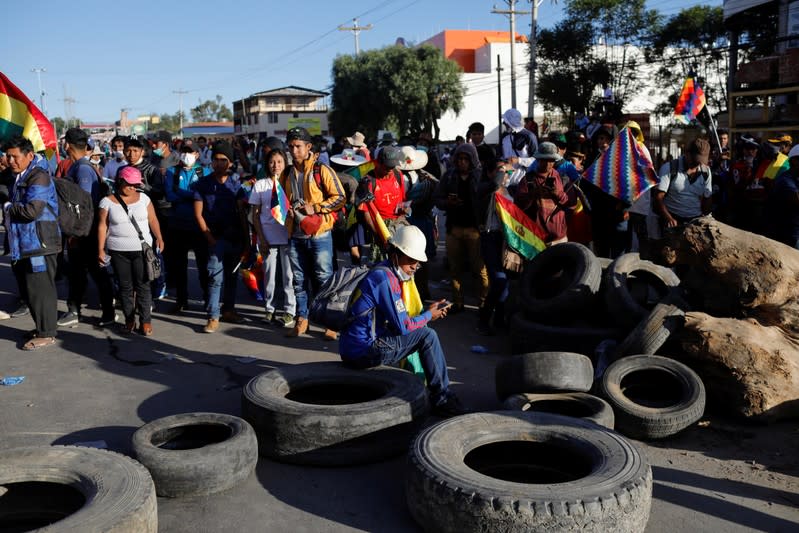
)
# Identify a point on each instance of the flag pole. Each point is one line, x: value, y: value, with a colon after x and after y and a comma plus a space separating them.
x: 713, y: 127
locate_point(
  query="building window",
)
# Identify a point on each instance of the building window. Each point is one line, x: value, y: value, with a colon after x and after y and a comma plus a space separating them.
x: 271, y: 117
x: 296, y: 115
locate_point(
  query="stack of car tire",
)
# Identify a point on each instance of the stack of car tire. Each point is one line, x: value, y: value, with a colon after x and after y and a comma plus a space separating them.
x: 572, y: 300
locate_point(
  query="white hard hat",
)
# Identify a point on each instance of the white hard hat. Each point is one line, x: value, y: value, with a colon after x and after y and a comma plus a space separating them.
x: 411, y: 241
x: 794, y: 152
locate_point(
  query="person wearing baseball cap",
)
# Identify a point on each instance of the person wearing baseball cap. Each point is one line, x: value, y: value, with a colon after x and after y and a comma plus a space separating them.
x: 316, y: 196
x: 220, y: 206
x: 380, y: 331
x: 783, y: 141
x: 385, y: 186
x: 685, y: 191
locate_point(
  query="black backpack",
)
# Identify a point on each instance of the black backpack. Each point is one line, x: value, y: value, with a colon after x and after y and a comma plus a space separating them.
x: 75, y: 207
x: 331, y: 306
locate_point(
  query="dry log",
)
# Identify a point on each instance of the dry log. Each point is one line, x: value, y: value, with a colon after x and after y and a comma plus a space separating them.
x: 746, y: 268
x: 748, y: 367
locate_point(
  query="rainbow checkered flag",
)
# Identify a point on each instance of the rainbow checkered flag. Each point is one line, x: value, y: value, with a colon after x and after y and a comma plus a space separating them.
x: 621, y: 170
x: 691, y: 101
x: 279, y: 204
x: 522, y: 233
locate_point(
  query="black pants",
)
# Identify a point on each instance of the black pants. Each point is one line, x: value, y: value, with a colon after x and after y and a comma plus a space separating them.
x: 42, y: 295
x: 82, y: 260
x: 20, y: 269
x: 134, y: 288
x: 178, y: 243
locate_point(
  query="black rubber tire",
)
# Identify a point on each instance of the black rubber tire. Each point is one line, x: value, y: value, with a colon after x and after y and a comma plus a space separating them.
x: 48, y: 485
x: 572, y: 404
x: 529, y: 336
x: 543, y: 372
x: 675, y: 394
x: 621, y: 303
x: 348, y: 433
x: 221, y: 452
x: 653, y: 331
x: 559, y: 281
x: 602, y: 483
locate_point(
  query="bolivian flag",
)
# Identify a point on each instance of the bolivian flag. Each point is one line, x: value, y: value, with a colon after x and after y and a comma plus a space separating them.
x: 772, y: 169
x: 521, y: 232
x: 19, y: 116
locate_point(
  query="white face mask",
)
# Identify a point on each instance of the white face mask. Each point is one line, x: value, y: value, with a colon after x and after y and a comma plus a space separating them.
x: 188, y: 159
x: 94, y: 161
x: 119, y: 155
x: 402, y: 275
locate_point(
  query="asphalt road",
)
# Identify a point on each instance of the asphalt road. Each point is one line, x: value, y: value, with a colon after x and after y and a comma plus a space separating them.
x: 99, y: 385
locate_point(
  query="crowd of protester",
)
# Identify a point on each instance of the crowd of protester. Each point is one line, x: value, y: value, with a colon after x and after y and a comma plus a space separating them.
x: 217, y: 199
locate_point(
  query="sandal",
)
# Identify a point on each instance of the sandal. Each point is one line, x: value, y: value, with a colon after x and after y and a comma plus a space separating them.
x: 38, y: 342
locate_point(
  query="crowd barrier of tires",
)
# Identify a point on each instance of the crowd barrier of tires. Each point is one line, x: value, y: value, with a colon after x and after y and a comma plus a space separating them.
x: 553, y: 460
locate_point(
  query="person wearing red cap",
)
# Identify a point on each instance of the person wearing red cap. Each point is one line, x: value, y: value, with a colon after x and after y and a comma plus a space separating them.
x: 117, y: 232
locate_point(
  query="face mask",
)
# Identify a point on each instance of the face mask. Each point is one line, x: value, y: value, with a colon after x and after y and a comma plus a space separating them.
x: 422, y: 148
x: 94, y: 161
x: 119, y: 155
x: 159, y: 152
x: 188, y: 159
x: 402, y: 275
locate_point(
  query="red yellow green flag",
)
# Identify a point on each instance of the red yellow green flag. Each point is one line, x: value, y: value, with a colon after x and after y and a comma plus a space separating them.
x: 522, y: 233
x: 19, y: 116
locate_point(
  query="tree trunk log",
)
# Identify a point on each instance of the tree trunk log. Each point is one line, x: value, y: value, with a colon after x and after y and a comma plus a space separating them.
x: 753, y: 270
x: 748, y: 367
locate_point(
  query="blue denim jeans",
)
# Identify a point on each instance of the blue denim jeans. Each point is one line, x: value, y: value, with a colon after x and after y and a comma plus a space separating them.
x: 391, y: 350
x: 222, y: 259
x: 311, y: 263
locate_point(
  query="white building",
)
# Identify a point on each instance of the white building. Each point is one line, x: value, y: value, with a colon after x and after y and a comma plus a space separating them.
x: 480, y: 52
x: 276, y: 111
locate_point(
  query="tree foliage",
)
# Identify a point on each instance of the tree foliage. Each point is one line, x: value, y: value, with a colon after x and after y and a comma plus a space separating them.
x: 407, y: 87
x: 211, y: 111
x: 598, y: 42
x: 693, y: 40
x: 170, y: 123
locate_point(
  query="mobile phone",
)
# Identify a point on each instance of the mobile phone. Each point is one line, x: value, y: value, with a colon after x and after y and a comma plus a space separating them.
x: 444, y: 305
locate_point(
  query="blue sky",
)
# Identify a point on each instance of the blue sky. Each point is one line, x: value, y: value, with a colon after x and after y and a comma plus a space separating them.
x: 110, y: 54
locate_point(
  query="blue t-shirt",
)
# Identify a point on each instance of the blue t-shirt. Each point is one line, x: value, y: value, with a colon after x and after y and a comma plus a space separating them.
x: 220, y: 206
x: 82, y: 172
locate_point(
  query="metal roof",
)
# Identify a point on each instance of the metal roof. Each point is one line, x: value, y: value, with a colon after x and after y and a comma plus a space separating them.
x: 291, y: 90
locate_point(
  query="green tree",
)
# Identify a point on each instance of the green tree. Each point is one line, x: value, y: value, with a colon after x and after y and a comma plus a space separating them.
x: 170, y: 123
x: 211, y: 111
x: 598, y: 42
x: 691, y: 41
x: 60, y: 125
x: 409, y: 87
x: 566, y: 60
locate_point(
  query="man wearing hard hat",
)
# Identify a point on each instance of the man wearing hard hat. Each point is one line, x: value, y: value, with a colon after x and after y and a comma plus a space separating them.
x: 380, y: 331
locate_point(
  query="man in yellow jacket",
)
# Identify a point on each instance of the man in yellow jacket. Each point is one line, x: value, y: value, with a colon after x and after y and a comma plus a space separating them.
x: 315, y: 195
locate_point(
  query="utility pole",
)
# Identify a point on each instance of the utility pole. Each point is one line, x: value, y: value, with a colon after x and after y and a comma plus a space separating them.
x: 180, y: 94
x: 511, y: 12
x: 533, y: 58
x: 499, y: 97
x: 356, y: 31
x: 68, y: 101
x: 42, y: 103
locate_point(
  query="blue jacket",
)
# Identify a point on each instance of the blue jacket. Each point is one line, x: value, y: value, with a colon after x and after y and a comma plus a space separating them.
x: 33, y: 216
x: 180, y: 185
x: 377, y: 300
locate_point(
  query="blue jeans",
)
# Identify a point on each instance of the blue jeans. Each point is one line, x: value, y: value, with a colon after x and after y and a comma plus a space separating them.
x: 391, y: 350
x: 222, y: 259
x: 310, y: 257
